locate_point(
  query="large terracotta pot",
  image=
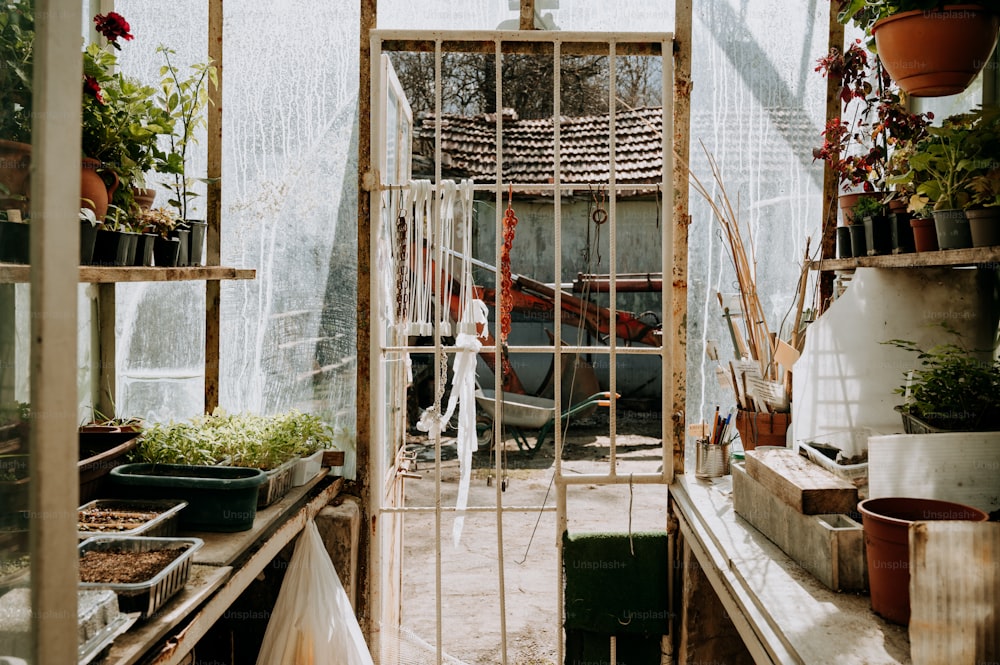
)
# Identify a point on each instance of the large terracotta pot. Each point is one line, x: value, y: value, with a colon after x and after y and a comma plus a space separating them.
x: 15, y: 165
x: 94, y: 192
x: 886, y: 523
x: 931, y: 53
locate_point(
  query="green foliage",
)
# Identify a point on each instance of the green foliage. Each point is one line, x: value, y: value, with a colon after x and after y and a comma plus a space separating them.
x: 952, y: 165
x: 17, y: 36
x: 867, y: 206
x: 184, y: 99
x: 952, y: 388
x: 263, y: 442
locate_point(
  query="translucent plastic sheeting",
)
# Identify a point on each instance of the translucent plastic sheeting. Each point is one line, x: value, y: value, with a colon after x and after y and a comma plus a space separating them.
x: 289, y: 211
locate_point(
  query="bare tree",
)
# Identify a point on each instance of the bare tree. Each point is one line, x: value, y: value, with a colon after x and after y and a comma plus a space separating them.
x: 468, y: 85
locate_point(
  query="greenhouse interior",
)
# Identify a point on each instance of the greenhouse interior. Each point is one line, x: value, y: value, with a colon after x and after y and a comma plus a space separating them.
x: 637, y: 332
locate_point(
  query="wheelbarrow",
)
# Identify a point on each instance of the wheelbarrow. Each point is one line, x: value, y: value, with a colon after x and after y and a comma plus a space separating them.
x: 526, y: 412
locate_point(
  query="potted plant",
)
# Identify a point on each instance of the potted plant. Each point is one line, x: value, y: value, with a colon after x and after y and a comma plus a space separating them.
x: 984, y: 211
x: 860, y: 150
x: 875, y: 226
x: 953, y: 389
x: 930, y: 48
x: 17, y: 32
x: 161, y: 222
x: 184, y: 99
x: 943, y: 165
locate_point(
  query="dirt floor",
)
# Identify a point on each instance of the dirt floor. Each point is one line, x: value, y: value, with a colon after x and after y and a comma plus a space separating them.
x: 471, y: 627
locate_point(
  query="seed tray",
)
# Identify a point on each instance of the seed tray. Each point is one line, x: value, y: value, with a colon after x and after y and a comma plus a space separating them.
x: 163, y: 525
x: 279, y: 481
x: 150, y: 595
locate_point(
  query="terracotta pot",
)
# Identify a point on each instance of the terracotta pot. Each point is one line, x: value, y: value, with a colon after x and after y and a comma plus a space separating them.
x: 847, y: 203
x: 15, y: 172
x: 144, y: 197
x: 757, y: 428
x: 984, y: 224
x: 931, y: 53
x: 94, y: 192
x: 886, y: 524
x: 924, y: 235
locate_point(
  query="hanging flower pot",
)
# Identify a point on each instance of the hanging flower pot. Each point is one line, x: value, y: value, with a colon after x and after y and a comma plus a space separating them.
x: 937, y: 52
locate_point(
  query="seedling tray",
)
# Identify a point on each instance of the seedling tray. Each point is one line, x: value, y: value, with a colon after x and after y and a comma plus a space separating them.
x: 165, y: 516
x: 279, y: 481
x: 148, y: 596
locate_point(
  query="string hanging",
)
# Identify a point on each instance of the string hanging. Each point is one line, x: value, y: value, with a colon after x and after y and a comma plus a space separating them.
x: 506, y: 283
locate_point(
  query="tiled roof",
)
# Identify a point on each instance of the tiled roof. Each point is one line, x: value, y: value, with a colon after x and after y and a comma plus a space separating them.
x: 468, y: 147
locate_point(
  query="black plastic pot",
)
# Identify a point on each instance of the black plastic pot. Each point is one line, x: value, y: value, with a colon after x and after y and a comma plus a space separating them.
x: 88, y: 236
x: 844, y: 242
x: 902, y: 233
x: 15, y: 244
x: 165, y: 252
x: 144, y: 250
x: 859, y: 245
x: 111, y: 248
x: 220, y: 498
x: 878, y: 234
x: 131, y: 246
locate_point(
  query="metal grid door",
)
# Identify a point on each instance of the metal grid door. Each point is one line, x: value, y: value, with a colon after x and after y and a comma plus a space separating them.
x: 396, y: 252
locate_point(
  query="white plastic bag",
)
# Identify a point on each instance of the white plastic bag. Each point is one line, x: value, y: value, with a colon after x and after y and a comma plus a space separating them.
x: 313, y: 622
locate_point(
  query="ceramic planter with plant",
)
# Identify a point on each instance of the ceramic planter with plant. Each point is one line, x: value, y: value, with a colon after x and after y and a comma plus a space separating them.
x: 953, y: 389
x: 17, y: 33
x: 859, y: 150
x: 984, y: 212
x: 929, y: 47
x: 185, y: 100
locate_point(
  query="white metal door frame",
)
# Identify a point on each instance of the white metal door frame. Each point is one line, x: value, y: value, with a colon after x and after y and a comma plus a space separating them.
x: 386, y: 352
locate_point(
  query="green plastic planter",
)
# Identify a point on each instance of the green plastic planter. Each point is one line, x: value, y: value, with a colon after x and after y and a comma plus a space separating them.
x: 220, y: 498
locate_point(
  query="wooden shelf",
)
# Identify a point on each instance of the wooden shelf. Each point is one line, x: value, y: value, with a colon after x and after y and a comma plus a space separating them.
x: 973, y: 256
x: 11, y: 272
x: 783, y: 613
x: 223, y: 568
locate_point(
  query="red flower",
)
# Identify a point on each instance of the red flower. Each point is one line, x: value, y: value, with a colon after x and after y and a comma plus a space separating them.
x: 113, y: 25
x: 91, y: 85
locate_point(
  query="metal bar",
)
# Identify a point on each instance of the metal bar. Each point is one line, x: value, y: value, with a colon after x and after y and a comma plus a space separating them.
x: 612, y: 479
x: 54, y: 479
x: 468, y: 509
x: 438, y: 378
x: 547, y: 350
x: 557, y: 343
x: 674, y: 240
x: 613, y: 251
x: 497, y: 436
x: 450, y: 38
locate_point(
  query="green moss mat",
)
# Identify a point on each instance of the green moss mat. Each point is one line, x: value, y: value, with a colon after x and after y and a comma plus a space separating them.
x: 610, y: 590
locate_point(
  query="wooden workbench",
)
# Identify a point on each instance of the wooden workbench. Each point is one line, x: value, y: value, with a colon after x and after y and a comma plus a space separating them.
x: 223, y: 568
x: 782, y: 613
